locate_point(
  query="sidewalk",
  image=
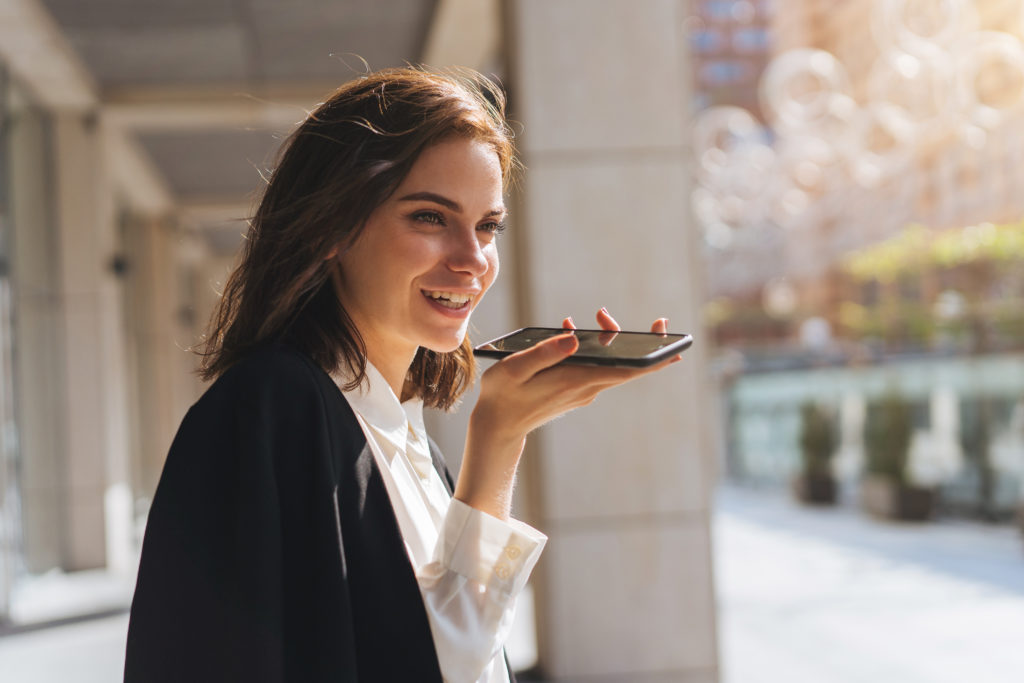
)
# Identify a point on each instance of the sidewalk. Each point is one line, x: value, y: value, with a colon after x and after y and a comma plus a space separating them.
x: 89, y: 651
x: 830, y: 596
x: 805, y: 596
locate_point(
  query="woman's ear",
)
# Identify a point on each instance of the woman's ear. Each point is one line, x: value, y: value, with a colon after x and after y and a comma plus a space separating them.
x: 331, y: 254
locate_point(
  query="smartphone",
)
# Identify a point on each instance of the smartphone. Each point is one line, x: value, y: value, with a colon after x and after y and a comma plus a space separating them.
x: 597, y: 347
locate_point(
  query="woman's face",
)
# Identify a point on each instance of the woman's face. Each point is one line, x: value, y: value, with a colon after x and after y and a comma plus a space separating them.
x: 427, y: 254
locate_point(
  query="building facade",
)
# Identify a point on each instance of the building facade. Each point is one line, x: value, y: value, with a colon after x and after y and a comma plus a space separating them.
x: 875, y: 275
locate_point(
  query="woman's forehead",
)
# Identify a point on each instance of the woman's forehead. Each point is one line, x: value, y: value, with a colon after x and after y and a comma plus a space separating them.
x: 464, y: 168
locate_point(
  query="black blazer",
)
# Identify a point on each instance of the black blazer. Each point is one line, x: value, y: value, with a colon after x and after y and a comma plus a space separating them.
x: 272, y: 553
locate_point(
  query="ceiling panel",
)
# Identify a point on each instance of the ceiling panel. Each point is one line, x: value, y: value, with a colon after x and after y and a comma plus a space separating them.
x: 150, y: 43
x: 212, y: 165
x: 141, y: 14
x: 310, y: 13
x: 332, y: 56
x: 144, y: 50
x: 199, y: 55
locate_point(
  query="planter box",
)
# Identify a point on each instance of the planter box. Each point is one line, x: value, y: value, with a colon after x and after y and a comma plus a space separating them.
x: 883, y: 498
x: 815, y: 490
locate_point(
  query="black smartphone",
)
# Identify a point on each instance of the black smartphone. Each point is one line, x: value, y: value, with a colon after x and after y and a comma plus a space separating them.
x: 597, y: 347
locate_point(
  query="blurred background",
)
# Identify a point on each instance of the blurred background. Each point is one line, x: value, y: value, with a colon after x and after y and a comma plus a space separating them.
x: 827, y: 194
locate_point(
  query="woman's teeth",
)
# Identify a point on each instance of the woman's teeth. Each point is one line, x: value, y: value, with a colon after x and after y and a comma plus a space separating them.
x: 450, y: 299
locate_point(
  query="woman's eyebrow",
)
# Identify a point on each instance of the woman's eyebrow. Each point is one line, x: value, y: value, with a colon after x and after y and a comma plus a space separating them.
x: 433, y: 197
x: 445, y: 202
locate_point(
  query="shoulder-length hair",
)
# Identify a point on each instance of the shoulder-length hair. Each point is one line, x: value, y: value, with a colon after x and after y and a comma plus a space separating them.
x: 343, y: 162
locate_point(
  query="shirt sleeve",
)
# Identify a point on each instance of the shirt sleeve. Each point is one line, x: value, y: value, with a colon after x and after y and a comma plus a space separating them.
x: 480, y: 566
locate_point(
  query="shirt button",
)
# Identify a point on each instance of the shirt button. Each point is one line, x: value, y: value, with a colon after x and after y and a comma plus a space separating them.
x: 502, y: 571
x: 513, y: 551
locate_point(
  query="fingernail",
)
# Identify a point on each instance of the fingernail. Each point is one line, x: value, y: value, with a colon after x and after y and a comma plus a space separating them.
x: 604, y: 310
x: 571, y: 321
x: 567, y: 342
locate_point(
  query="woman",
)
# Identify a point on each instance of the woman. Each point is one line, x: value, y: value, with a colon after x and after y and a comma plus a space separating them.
x: 305, y: 528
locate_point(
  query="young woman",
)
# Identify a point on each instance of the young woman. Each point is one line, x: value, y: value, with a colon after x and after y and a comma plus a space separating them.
x: 305, y: 528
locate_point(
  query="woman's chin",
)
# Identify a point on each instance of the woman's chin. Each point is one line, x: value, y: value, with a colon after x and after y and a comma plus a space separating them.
x: 445, y: 344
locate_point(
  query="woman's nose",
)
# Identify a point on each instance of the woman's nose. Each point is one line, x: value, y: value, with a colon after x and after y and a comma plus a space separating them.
x: 466, y: 254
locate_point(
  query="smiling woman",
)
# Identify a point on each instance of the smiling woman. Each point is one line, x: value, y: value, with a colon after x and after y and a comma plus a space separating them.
x: 426, y: 257
x: 305, y: 527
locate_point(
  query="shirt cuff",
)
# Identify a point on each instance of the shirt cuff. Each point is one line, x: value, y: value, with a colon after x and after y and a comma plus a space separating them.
x: 497, y: 554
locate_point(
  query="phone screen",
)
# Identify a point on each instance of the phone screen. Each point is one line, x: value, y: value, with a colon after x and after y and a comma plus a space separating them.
x: 599, y: 347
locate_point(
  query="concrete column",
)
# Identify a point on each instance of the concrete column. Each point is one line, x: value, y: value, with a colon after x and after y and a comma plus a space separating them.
x: 152, y: 305
x: 37, y: 345
x: 622, y: 487
x: 80, y: 270
x: 92, y: 358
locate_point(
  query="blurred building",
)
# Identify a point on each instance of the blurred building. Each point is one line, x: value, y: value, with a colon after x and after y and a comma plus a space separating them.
x: 731, y: 43
x: 875, y: 235
x: 962, y: 175
x: 133, y: 140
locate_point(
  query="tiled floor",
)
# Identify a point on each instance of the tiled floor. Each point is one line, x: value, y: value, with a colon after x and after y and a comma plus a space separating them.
x: 829, y: 596
x: 805, y: 596
x: 84, y: 652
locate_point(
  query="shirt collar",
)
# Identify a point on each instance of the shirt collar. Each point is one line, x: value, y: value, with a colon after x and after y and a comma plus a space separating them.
x: 377, y: 404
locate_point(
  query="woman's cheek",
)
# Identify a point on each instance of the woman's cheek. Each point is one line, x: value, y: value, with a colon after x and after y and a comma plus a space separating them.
x: 493, y: 260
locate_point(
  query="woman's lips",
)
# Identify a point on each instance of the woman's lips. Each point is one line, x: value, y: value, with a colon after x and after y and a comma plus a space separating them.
x: 443, y: 303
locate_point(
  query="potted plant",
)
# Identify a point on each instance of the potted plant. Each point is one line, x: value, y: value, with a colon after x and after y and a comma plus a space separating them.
x: 975, y: 439
x: 885, y: 490
x: 815, y: 483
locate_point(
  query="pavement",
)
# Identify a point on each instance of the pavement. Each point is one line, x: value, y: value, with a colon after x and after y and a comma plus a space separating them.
x: 805, y: 596
x: 831, y: 596
x: 86, y: 651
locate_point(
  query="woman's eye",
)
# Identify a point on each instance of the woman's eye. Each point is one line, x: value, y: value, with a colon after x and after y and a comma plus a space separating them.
x: 493, y: 227
x: 432, y: 217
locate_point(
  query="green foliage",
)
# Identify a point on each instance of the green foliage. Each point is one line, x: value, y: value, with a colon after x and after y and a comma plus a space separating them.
x: 818, y: 439
x: 917, y: 248
x: 887, y: 433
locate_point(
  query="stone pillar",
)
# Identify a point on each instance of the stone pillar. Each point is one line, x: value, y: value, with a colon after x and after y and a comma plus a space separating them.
x: 621, y: 487
x: 158, y: 350
x: 37, y: 375
x: 80, y: 271
x: 95, y: 468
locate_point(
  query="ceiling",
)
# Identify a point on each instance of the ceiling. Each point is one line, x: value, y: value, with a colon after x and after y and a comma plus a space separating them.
x: 191, y: 55
x: 132, y: 43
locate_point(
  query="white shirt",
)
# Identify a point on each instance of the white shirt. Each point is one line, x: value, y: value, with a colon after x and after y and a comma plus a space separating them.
x: 470, y: 566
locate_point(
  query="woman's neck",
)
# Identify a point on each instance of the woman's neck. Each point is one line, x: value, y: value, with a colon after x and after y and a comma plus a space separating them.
x: 394, y: 367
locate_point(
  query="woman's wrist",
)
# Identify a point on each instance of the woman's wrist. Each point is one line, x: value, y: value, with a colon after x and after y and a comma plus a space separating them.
x: 489, y: 465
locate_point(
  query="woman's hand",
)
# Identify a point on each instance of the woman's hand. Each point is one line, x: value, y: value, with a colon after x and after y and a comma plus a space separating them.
x: 520, y: 393
x: 607, y: 322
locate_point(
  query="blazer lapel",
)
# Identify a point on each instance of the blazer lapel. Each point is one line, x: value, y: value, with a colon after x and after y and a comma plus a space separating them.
x: 387, y: 608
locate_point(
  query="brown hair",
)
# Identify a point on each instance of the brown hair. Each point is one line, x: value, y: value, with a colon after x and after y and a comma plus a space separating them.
x: 343, y: 162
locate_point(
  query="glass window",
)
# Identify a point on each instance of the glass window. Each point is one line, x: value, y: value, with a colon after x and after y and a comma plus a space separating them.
x: 720, y: 10
x: 706, y: 41
x: 30, y: 445
x: 723, y: 71
x: 753, y: 39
